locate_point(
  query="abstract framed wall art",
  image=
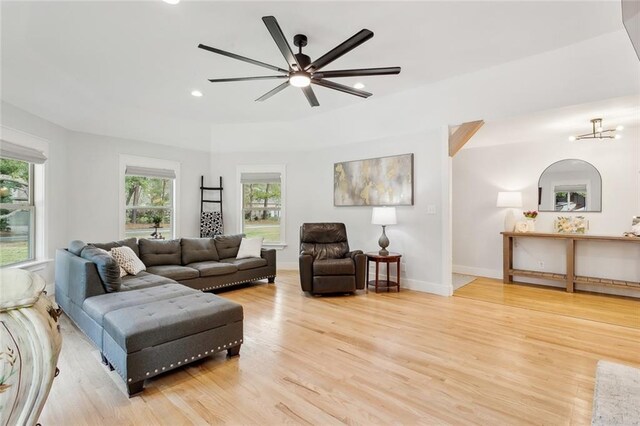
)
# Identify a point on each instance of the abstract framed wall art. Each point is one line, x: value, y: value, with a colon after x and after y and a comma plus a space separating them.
x: 384, y: 181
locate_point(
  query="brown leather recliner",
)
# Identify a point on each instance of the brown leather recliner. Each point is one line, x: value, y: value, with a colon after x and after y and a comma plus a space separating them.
x: 326, y: 264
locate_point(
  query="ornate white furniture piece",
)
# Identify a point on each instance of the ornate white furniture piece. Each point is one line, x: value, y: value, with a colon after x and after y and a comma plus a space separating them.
x: 30, y: 343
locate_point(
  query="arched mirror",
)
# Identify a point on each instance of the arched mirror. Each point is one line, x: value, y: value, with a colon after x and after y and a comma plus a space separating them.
x: 570, y: 186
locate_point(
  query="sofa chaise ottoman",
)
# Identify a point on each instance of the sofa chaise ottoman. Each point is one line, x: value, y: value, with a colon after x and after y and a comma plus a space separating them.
x: 144, y: 340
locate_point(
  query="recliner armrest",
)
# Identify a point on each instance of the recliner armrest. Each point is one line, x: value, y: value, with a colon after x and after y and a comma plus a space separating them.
x: 360, y: 260
x: 306, y: 272
x: 352, y: 254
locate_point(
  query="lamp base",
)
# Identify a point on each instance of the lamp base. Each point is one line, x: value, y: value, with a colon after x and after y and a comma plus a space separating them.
x: 509, y: 221
x: 383, y: 242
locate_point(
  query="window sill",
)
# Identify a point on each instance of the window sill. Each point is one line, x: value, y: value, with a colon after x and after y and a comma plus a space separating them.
x: 32, y: 265
x: 275, y: 246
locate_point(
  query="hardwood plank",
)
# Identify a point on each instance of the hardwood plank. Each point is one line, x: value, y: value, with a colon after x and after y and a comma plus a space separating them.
x: 492, y: 354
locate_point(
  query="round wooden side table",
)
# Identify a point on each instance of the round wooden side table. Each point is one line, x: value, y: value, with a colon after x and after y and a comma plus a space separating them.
x: 383, y: 284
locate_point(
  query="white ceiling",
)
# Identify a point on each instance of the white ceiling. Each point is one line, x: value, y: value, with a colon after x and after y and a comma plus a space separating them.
x: 81, y: 64
x: 559, y: 123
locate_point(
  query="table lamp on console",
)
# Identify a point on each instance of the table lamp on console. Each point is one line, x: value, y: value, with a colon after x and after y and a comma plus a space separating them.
x: 509, y: 200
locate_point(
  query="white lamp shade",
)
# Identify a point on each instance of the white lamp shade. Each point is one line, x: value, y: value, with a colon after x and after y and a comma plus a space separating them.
x: 509, y: 199
x: 383, y: 216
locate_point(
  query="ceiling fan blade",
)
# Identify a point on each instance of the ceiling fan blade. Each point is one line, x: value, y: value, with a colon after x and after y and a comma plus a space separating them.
x: 357, y: 72
x: 341, y: 49
x: 281, y: 41
x: 311, y: 97
x: 342, y: 88
x: 264, y: 77
x: 273, y: 91
x: 241, y: 58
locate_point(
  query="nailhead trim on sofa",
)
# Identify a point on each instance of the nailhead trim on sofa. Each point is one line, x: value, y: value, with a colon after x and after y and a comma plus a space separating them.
x: 237, y: 282
x: 186, y: 360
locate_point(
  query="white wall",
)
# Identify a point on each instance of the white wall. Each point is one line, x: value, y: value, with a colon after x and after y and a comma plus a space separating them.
x: 479, y: 173
x: 55, y: 175
x: 93, y: 176
x: 418, y: 235
x: 82, y: 179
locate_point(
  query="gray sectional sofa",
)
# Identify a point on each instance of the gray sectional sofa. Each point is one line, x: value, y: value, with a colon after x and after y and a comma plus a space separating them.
x: 161, y: 319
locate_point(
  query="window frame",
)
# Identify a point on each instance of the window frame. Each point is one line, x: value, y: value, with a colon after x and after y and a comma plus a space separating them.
x: 40, y: 220
x: 31, y: 207
x: 152, y: 163
x: 239, y: 214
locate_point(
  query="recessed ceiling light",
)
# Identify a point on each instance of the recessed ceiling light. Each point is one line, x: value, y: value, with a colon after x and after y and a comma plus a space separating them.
x: 196, y: 93
x: 171, y: 1
x: 359, y: 85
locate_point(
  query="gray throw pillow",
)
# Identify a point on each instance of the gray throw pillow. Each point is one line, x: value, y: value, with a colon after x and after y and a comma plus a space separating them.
x: 108, y: 268
x: 129, y: 242
x: 160, y: 252
x: 76, y: 246
x: 198, y: 250
x: 228, y: 245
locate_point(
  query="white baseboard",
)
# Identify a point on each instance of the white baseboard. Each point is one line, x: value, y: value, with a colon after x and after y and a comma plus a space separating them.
x: 477, y: 272
x: 287, y: 266
x: 427, y: 287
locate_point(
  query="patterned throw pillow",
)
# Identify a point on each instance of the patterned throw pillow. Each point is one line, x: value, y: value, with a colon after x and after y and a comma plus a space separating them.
x: 128, y: 260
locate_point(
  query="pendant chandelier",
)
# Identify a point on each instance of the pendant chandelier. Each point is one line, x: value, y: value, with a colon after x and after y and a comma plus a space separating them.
x: 598, y: 132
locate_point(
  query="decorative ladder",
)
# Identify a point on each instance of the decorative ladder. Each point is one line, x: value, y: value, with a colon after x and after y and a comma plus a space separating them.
x: 204, y: 200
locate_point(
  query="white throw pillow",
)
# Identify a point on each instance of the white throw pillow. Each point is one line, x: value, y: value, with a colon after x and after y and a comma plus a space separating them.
x: 250, y: 247
x: 128, y: 260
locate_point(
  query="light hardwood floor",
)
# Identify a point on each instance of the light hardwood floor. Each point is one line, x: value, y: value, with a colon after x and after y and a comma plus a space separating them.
x: 407, y: 357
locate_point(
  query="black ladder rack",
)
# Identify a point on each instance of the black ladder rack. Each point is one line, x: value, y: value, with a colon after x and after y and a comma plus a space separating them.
x: 210, y: 188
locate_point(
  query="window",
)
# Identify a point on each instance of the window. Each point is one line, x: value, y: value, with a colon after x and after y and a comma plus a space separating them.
x: 570, y: 198
x: 262, y: 203
x: 17, y: 212
x: 149, y: 203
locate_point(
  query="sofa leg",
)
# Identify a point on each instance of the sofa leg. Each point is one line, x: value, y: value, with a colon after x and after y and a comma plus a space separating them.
x: 272, y: 280
x: 234, y: 351
x: 106, y: 362
x: 135, y: 387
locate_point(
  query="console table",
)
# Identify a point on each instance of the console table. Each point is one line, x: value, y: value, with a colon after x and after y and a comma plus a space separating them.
x: 570, y: 278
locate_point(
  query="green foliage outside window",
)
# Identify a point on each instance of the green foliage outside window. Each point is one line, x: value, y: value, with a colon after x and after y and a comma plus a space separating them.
x: 148, y: 204
x: 15, y: 221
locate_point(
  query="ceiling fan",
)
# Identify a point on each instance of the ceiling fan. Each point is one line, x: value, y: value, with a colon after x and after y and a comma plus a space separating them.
x: 301, y: 71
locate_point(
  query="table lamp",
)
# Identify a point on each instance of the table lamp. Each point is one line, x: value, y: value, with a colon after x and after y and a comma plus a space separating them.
x: 509, y: 200
x: 383, y: 216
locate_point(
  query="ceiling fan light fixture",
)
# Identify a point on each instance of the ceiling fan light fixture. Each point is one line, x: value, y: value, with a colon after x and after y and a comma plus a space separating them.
x: 299, y: 79
x: 359, y: 86
x: 196, y: 93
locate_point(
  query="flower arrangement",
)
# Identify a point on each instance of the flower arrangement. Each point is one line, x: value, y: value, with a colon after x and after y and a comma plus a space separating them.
x: 571, y: 225
x: 530, y: 214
